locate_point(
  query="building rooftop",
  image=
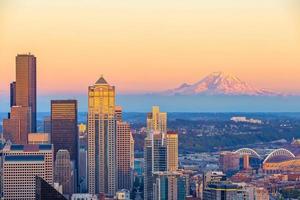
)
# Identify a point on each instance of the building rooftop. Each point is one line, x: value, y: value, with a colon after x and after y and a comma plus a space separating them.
x: 101, y: 81
x: 22, y: 158
x: 30, y: 147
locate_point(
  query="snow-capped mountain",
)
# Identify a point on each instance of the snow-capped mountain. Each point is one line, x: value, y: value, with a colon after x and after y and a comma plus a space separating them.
x: 219, y: 83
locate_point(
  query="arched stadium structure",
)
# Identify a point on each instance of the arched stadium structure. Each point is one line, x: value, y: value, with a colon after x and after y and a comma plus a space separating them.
x: 279, y: 155
x: 281, y: 160
x: 248, y: 151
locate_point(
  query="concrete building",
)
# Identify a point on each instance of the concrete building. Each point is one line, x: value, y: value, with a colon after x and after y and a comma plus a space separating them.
x: 169, y: 186
x: 27, y: 161
x: 229, y: 161
x: 172, y: 148
x: 18, y: 125
x: 223, y: 190
x: 102, y: 171
x: 84, y: 197
x: 63, y: 173
x: 124, y: 155
x: 39, y: 138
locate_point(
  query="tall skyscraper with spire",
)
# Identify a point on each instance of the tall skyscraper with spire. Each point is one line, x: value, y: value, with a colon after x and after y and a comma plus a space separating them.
x: 102, y: 161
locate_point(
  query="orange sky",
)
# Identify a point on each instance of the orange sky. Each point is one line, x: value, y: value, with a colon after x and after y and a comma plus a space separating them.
x: 152, y: 45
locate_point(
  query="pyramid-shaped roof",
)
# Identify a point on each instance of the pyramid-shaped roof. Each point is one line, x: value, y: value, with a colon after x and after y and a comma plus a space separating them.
x: 101, y: 81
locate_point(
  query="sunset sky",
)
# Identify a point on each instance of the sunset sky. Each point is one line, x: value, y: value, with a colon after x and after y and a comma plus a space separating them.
x: 142, y: 46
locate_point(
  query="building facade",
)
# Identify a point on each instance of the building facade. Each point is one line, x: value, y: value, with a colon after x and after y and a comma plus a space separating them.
x: 26, y: 85
x: 63, y: 172
x: 18, y: 125
x: 124, y: 155
x: 28, y: 161
x: 172, y: 148
x: 102, y: 160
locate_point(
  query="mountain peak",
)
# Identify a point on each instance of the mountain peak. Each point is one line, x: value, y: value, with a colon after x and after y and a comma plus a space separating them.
x: 219, y: 83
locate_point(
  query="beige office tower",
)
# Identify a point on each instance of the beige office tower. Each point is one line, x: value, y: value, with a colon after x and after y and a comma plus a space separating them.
x: 156, y: 120
x: 63, y: 171
x: 172, y: 150
x: 124, y: 155
x: 102, y: 168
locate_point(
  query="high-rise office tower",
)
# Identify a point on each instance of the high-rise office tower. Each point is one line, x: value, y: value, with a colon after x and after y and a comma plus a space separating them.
x: 155, y: 155
x: 155, y: 149
x: 102, y: 172
x: 26, y: 84
x: 172, y: 146
x: 63, y: 171
x: 17, y: 127
x: 12, y: 94
x: 124, y: 155
x: 156, y: 120
x: 21, y: 164
x: 64, y: 132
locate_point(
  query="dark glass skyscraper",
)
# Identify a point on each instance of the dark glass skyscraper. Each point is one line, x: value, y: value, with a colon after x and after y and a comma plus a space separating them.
x: 25, y: 89
x: 64, y: 132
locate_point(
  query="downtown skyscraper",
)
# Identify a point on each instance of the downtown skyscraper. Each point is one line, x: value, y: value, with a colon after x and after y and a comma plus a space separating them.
x: 26, y: 84
x: 22, y: 119
x: 64, y: 131
x: 102, y: 160
x: 155, y: 149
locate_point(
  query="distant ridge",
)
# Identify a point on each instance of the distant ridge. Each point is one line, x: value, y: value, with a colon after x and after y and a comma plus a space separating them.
x: 219, y: 83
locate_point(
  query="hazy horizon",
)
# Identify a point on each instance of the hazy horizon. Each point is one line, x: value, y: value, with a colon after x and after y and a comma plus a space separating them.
x: 149, y: 46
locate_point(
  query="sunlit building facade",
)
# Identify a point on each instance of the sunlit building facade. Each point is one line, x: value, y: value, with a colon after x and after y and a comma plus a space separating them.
x: 124, y: 155
x: 102, y: 160
x: 26, y: 85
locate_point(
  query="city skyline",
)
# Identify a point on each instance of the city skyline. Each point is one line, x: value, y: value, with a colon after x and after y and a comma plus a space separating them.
x: 189, y: 41
x: 158, y: 100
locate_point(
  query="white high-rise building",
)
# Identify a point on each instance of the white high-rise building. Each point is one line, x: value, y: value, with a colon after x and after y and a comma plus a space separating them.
x: 21, y: 164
